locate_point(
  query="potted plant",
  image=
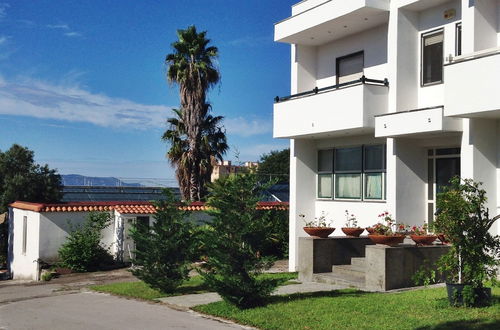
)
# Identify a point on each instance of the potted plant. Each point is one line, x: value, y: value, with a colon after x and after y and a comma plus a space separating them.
x: 421, y: 236
x: 386, y: 234
x: 473, y: 257
x: 319, y: 227
x: 351, y: 225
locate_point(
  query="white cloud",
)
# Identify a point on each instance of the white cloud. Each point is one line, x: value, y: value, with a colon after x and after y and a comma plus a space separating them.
x: 58, y: 26
x: 73, y: 34
x: 3, y: 9
x: 41, y: 99
x: 247, y: 127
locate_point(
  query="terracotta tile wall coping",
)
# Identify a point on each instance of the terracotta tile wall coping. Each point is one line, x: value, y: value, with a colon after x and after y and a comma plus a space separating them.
x: 132, y: 207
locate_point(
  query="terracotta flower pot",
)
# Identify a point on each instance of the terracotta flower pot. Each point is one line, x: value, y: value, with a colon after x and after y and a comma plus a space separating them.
x: 387, y: 240
x: 423, y: 239
x: 321, y: 232
x: 353, y: 232
x: 370, y: 230
x: 442, y: 238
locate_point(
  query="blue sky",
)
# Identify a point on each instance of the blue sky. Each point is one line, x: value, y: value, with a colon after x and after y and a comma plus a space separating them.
x: 82, y: 83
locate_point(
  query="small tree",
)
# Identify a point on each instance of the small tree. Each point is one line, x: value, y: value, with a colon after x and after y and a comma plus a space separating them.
x: 233, y: 256
x: 275, y: 164
x: 163, y: 252
x: 83, y: 250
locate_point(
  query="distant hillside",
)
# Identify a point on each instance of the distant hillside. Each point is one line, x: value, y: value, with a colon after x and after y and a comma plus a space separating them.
x: 81, y: 180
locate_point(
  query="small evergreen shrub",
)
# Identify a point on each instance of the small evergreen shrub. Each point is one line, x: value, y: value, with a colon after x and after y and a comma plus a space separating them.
x: 83, y: 250
x: 234, y: 256
x: 163, y: 252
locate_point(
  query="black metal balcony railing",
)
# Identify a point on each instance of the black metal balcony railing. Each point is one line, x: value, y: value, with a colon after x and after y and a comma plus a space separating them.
x: 363, y: 80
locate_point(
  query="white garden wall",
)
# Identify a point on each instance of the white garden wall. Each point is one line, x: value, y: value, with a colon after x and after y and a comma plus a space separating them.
x: 23, y: 265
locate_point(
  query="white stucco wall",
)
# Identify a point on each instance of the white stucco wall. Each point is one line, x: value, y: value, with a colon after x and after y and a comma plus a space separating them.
x: 374, y: 44
x: 54, y: 229
x: 429, y: 20
x: 485, y: 24
x: 24, y: 266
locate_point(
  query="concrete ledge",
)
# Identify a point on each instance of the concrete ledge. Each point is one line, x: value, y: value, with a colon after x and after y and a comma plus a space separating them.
x: 318, y: 255
x: 389, y: 268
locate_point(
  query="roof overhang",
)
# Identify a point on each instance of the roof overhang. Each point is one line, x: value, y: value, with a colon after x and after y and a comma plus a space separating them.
x: 331, y: 20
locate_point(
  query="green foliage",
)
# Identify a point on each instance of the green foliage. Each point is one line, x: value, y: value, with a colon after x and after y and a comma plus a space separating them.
x: 234, y: 247
x: 275, y: 241
x: 463, y: 218
x: 22, y: 179
x: 275, y: 165
x: 47, y: 276
x: 83, y: 250
x: 425, y: 275
x: 164, y: 251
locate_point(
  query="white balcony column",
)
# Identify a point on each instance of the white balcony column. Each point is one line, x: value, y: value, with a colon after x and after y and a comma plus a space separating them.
x: 479, y: 158
x: 303, y: 163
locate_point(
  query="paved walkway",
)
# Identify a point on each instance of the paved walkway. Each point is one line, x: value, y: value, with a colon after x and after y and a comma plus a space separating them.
x: 191, y: 300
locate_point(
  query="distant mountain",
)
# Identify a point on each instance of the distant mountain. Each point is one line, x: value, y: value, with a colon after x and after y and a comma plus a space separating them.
x: 81, y: 180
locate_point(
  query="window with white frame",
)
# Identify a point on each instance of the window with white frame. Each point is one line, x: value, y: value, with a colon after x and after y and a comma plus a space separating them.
x: 353, y: 173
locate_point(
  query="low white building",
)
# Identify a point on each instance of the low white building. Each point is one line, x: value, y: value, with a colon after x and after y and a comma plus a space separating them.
x: 37, y: 230
x: 390, y: 99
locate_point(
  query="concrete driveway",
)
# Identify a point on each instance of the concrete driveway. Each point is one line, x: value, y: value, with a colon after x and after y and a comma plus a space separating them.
x: 90, y: 310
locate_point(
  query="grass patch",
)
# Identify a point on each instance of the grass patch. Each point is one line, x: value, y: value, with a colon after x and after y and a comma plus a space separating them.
x: 195, y: 284
x: 351, y: 309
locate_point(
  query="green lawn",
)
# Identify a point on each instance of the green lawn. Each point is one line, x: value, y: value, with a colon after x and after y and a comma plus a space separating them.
x: 194, y: 285
x: 350, y: 309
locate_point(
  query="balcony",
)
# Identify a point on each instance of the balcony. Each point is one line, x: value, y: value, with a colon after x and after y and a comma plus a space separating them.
x: 417, y: 123
x: 471, y: 85
x: 316, y: 22
x: 347, y: 108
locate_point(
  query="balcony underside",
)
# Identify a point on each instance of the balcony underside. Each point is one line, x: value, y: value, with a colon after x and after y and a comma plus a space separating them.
x: 332, y: 20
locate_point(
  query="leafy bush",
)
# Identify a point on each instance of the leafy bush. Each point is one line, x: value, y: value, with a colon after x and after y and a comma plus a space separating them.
x: 465, y: 221
x: 234, y: 258
x: 164, y: 251
x: 83, y: 250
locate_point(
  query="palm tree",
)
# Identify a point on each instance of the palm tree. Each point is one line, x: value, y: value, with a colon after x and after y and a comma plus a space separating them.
x: 192, y: 67
x: 213, y: 146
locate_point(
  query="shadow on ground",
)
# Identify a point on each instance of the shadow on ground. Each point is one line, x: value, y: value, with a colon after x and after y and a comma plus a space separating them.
x: 470, y: 324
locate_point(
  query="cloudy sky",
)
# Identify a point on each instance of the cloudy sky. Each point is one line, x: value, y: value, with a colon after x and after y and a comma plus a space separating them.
x: 82, y: 83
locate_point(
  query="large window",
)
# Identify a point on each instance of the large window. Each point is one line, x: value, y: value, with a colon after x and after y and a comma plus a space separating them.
x: 432, y: 58
x: 355, y: 173
x: 350, y: 67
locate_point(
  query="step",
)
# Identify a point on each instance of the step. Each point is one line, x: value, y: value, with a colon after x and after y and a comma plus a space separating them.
x: 336, y: 279
x: 349, y: 270
x: 358, y: 262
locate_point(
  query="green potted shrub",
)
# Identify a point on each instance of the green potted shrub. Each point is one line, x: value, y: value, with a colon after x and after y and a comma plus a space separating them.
x: 474, y: 253
x: 351, y: 225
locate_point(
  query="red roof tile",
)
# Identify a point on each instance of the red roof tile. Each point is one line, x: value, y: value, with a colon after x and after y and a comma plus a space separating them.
x: 124, y: 207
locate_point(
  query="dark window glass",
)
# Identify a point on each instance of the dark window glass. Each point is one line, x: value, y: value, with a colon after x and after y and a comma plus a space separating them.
x: 446, y: 168
x: 348, y: 159
x: 432, y: 58
x: 374, y: 158
x: 350, y: 67
x: 448, y: 151
x: 458, y: 36
x: 430, y: 179
x: 325, y: 161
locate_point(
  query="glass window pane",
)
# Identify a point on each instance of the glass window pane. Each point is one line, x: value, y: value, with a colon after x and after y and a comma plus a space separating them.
x: 373, y: 185
x: 350, y: 68
x: 446, y: 168
x: 448, y: 151
x: 432, y: 61
x: 348, y: 186
x: 374, y: 158
x: 325, y: 161
x: 348, y: 159
x: 430, y: 179
x: 325, y: 186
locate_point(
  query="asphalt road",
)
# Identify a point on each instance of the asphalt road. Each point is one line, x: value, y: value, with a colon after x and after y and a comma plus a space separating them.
x: 90, y: 310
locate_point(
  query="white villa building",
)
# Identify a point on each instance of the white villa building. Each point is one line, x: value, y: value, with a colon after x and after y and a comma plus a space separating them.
x: 390, y: 99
